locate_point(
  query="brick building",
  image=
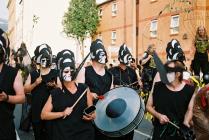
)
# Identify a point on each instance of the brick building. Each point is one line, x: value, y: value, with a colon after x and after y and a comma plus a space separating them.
x: 139, y: 23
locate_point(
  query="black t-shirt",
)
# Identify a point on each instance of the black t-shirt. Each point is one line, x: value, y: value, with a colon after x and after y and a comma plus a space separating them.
x: 124, y: 77
x: 97, y: 83
x: 7, y: 78
x: 40, y: 93
x: 73, y: 127
x: 173, y: 104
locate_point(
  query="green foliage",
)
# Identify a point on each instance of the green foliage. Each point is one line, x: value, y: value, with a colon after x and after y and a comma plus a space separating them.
x: 81, y: 19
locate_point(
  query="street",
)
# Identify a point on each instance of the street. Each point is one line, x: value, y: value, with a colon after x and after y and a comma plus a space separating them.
x: 143, y: 132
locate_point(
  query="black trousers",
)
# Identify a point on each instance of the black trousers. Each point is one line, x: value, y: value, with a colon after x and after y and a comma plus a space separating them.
x: 39, y: 130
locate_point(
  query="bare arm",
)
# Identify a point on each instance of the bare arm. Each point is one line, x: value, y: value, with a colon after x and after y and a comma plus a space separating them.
x: 28, y: 87
x: 90, y: 99
x: 189, y: 114
x: 162, y: 118
x: 144, y: 61
x: 47, y: 113
x: 81, y: 76
x: 19, y: 96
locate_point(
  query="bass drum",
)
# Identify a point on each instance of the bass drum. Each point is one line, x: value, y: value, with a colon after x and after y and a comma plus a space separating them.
x: 120, y: 112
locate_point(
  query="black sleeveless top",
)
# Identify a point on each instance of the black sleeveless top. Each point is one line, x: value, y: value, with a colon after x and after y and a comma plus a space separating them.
x: 173, y: 104
x: 73, y: 127
x: 124, y: 77
x: 40, y: 93
x: 97, y: 83
x: 7, y: 78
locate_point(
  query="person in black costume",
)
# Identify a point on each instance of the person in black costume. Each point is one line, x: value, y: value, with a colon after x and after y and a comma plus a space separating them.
x: 69, y: 123
x: 98, y: 79
x: 124, y: 76
x: 39, y: 83
x: 11, y: 91
x: 171, y: 103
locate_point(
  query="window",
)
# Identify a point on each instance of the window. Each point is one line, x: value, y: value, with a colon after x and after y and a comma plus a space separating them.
x: 100, y: 13
x: 174, y: 27
x: 153, y: 28
x: 113, y: 37
x: 114, y: 9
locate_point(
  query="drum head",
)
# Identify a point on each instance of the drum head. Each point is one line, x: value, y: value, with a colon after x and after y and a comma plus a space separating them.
x: 120, y: 108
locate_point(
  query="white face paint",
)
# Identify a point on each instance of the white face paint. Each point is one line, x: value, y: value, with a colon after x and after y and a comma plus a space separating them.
x: 101, y: 56
x: 171, y: 76
x: 66, y: 74
x: 43, y: 62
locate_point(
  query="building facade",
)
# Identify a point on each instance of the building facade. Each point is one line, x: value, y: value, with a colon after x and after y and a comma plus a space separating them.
x: 117, y: 26
x: 140, y: 23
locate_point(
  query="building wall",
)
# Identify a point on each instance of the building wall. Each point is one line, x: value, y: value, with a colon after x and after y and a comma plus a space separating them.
x: 145, y: 11
x: 12, y: 22
x: 149, y: 10
x: 122, y: 23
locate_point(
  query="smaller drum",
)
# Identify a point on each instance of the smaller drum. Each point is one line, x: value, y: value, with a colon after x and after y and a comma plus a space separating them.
x: 120, y: 112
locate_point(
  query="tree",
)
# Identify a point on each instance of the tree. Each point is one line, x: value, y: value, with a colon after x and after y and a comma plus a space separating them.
x: 81, y: 20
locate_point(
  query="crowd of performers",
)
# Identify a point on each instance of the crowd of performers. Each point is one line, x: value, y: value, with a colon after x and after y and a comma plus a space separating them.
x: 60, y: 91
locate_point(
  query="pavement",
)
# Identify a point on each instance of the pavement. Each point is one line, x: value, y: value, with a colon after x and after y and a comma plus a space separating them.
x: 143, y: 132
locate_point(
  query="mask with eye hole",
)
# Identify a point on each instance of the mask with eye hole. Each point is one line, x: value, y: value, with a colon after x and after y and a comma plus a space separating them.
x: 2, y: 53
x: 124, y: 55
x: 45, y: 60
x: 174, y: 51
x: 4, y: 47
x: 97, y: 52
x: 40, y: 50
x: 67, y: 67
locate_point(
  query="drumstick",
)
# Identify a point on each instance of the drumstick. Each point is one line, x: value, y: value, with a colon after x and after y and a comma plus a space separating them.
x: 79, y: 98
x: 133, y: 83
x: 174, y: 125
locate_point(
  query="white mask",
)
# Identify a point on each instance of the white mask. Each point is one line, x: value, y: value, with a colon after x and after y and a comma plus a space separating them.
x: 102, y: 57
x: 66, y: 74
x: 43, y: 62
x: 171, y: 76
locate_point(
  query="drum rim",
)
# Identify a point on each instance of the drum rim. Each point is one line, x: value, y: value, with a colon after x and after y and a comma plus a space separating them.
x: 131, y: 126
x: 98, y: 125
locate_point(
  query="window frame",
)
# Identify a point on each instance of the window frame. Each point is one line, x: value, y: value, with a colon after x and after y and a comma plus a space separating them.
x: 114, y: 9
x: 153, y: 28
x: 174, y: 29
x: 113, y: 37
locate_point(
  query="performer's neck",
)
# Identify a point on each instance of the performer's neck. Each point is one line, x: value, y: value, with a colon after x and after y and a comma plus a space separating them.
x: 99, y: 68
x: 44, y: 71
x: 122, y: 66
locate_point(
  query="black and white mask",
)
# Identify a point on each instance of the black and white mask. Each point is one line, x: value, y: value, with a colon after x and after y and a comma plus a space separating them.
x: 174, y: 51
x: 98, y: 52
x: 124, y: 55
x: 66, y: 74
x: 4, y: 47
x: 67, y: 69
x: 2, y: 52
x: 45, y: 60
